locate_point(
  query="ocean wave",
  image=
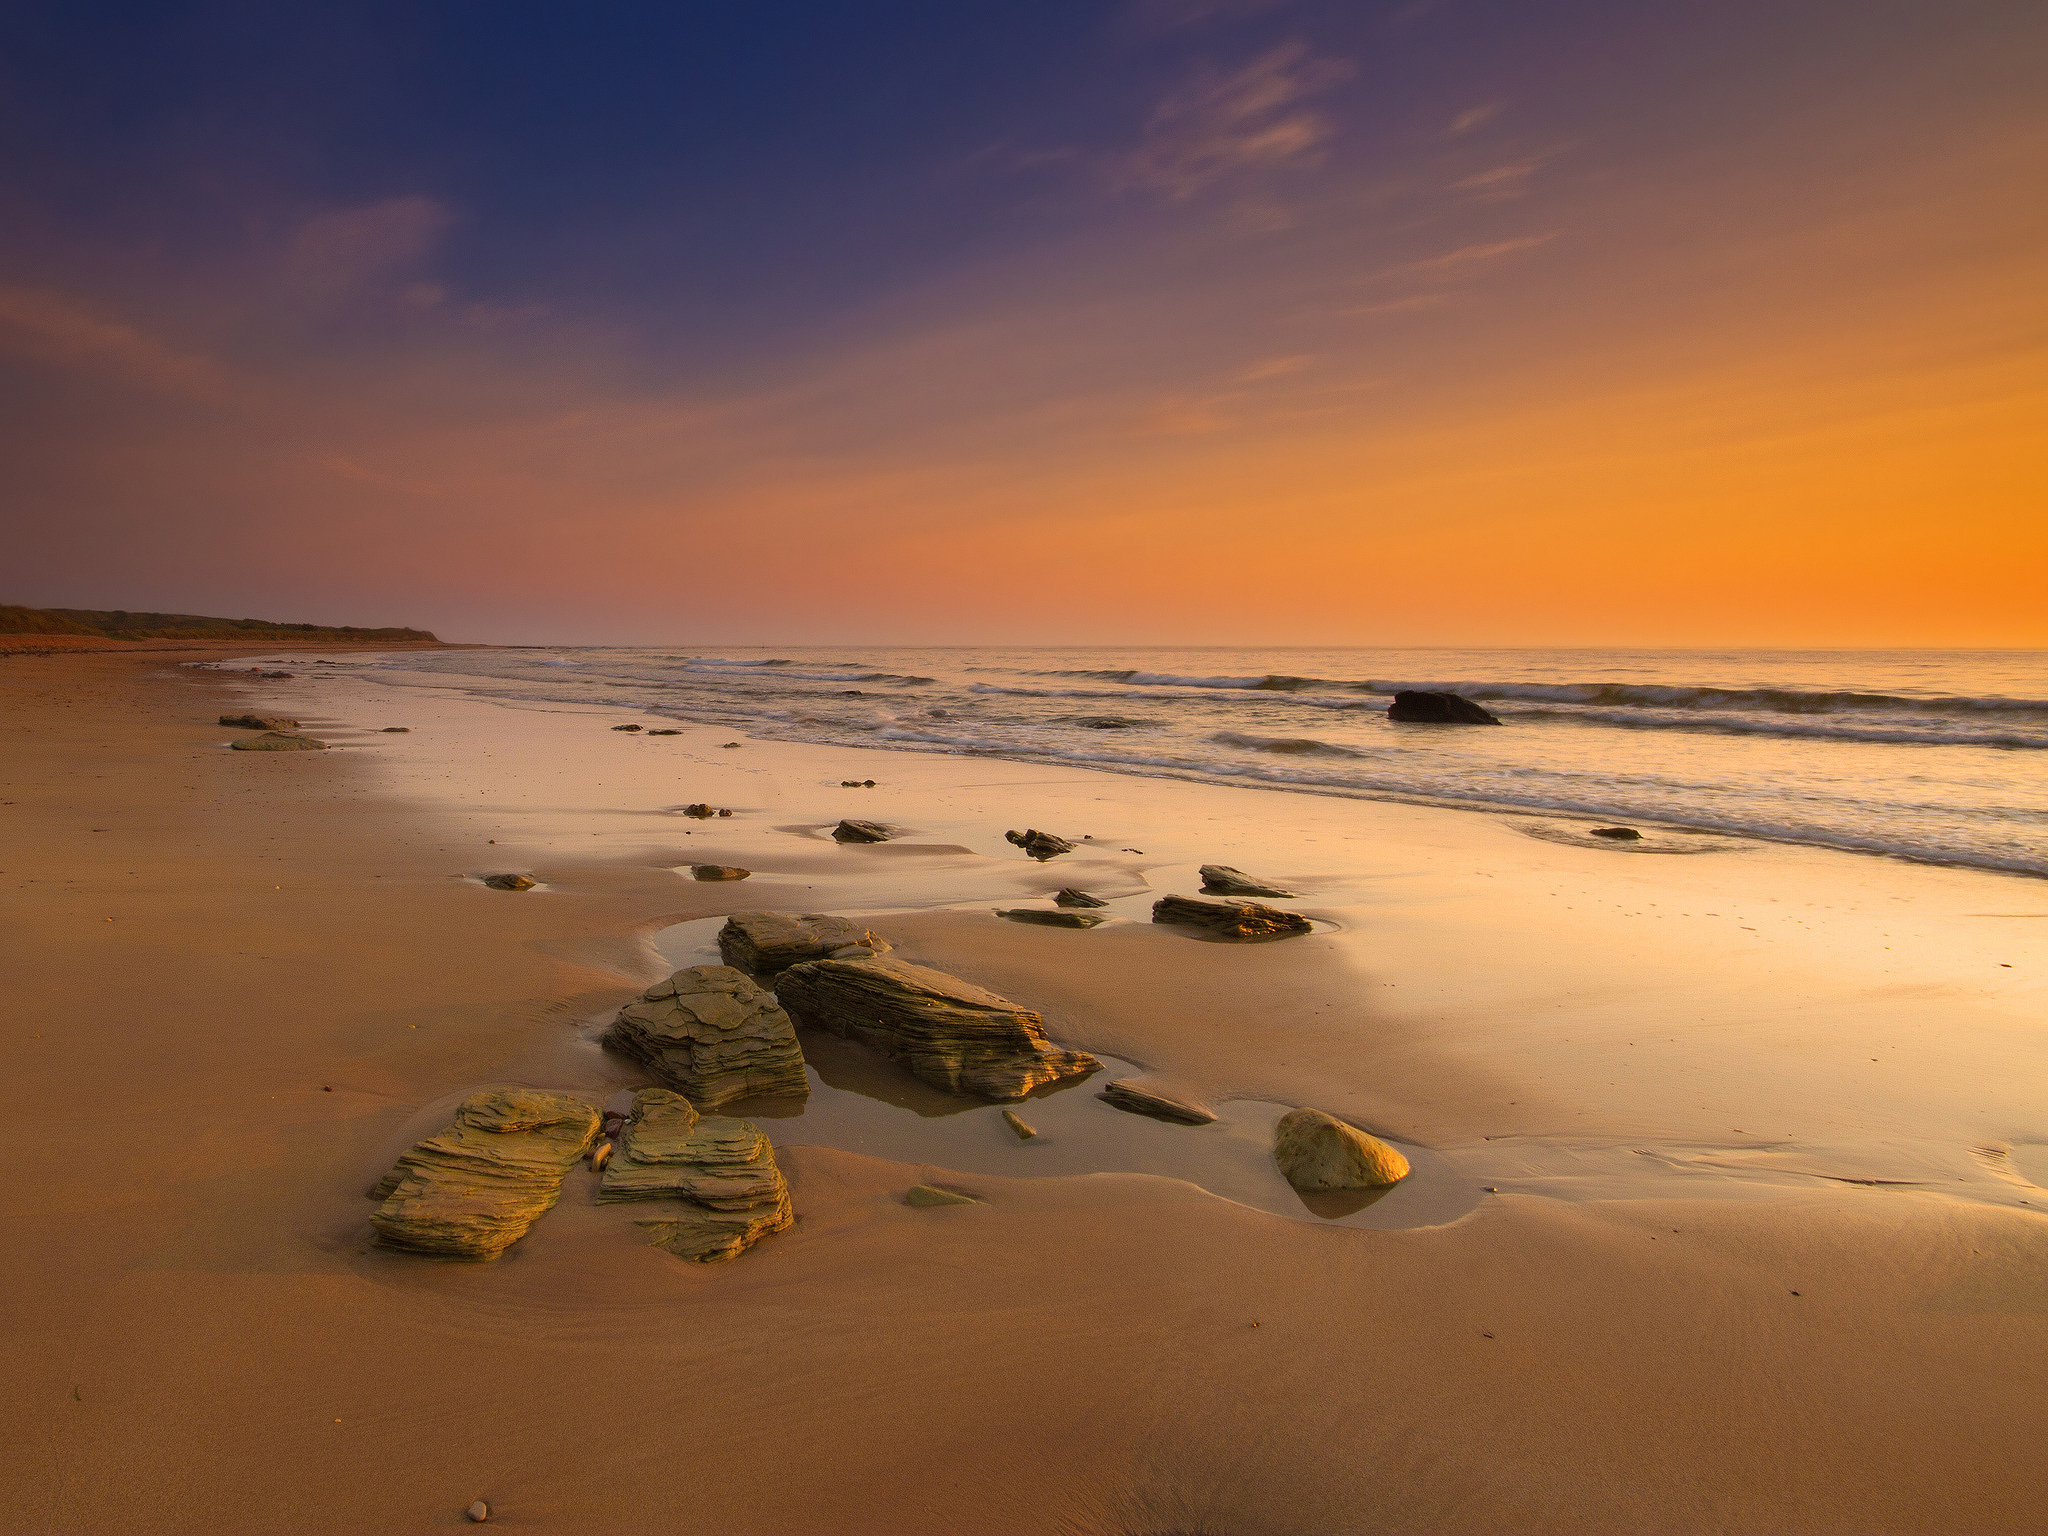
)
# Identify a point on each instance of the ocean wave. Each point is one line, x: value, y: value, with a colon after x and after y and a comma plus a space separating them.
x: 1933, y: 733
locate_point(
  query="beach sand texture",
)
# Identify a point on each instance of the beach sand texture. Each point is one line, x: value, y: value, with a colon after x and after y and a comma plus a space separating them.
x: 1727, y: 1213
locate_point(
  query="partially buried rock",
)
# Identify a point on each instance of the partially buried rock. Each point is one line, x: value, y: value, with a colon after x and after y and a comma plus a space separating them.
x: 703, y: 811
x: 279, y: 741
x: 1618, y: 834
x: 927, y: 1195
x: 767, y: 942
x: 1421, y: 706
x: 951, y: 1033
x: 397, y: 730
x: 1222, y: 880
x: 665, y: 733
x: 628, y: 727
x: 1040, y: 845
x: 1047, y: 919
x: 713, y: 1035
x: 260, y: 722
x: 861, y: 832
x: 472, y: 1191
x: 1230, y: 919
x: 1125, y: 1094
x: 719, y: 872
x: 1320, y: 1152
x: 510, y: 882
x: 718, y: 1175
x: 1073, y: 898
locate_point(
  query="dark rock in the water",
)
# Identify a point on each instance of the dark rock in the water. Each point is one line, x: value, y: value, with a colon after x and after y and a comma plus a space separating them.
x: 1125, y: 1094
x: 951, y: 1033
x: 719, y: 872
x: 260, y: 722
x: 510, y: 882
x: 925, y: 1195
x: 1047, y: 919
x: 720, y: 1176
x: 472, y: 1191
x: 1618, y: 834
x: 850, y: 831
x: 1417, y: 706
x: 1106, y: 722
x: 628, y: 727
x: 767, y: 942
x: 1073, y: 898
x: 1320, y: 1152
x: 279, y: 741
x: 397, y: 730
x: 1232, y: 919
x: 1222, y: 880
x: 713, y: 1035
x: 1040, y: 845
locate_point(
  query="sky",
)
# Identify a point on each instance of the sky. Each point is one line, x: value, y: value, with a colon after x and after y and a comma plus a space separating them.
x: 1472, y: 322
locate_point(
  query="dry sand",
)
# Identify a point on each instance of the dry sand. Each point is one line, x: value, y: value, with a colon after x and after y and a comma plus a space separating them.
x: 238, y: 982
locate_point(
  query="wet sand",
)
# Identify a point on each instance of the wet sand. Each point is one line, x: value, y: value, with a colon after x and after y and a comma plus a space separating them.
x: 1671, y: 1311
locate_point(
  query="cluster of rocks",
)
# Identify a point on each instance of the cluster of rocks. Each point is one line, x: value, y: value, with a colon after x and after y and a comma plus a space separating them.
x: 851, y: 831
x: 1040, y: 845
x: 1423, y: 706
x: 704, y: 810
x: 717, y: 1178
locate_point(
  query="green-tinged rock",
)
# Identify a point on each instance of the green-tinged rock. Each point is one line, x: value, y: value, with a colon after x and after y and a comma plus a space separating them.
x: 1230, y: 919
x: 472, y: 1191
x: 260, y: 722
x: 1017, y: 1123
x: 510, y: 882
x: 719, y: 1176
x: 767, y: 942
x: 713, y: 1035
x: 1320, y: 1152
x: 928, y: 1195
x: 951, y: 1033
x: 279, y: 741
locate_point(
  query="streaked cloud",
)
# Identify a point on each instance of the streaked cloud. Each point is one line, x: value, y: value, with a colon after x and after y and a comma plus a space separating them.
x: 341, y: 250
x: 1473, y: 117
x: 1218, y: 124
x: 52, y: 327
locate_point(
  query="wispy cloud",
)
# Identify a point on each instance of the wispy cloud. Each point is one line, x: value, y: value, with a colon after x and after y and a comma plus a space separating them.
x: 1502, y: 178
x: 1473, y: 117
x: 50, y: 327
x: 1217, y: 125
x: 1471, y: 255
x: 337, y: 252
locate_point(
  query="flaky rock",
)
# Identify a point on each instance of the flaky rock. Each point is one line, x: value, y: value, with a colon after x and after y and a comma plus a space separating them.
x: 1231, y: 919
x: 767, y: 942
x: 851, y: 831
x: 713, y: 1035
x: 719, y: 1175
x: 951, y: 1033
x: 1073, y: 898
x: 1125, y: 1094
x: 472, y: 1191
x: 279, y: 741
x: 260, y: 722
x: 1320, y: 1152
x: 1222, y: 880
x: 1040, y: 845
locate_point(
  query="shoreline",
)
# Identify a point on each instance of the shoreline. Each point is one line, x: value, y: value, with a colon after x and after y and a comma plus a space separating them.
x: 206, y: 1305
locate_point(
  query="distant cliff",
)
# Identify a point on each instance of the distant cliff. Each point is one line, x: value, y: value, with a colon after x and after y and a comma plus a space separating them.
x: 119, y: 624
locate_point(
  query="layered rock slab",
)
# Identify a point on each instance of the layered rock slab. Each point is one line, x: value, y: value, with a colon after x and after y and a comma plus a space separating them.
x: 1230, y: 919
x: 951, y: 1033
x: 1222, y: 880
x: 714, y: 1035
x: 767, y: 942
x: 279, y: 741
x: 719, y: 1175
x: 472, y: 1191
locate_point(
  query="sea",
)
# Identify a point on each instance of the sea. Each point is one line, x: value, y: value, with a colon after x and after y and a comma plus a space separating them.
x: 1938, y: 756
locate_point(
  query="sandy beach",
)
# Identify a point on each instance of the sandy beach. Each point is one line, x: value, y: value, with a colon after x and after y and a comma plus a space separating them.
x: 1729, y: 1212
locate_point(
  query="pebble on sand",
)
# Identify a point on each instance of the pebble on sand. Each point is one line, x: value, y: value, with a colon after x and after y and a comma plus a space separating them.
x: 479, y: 1512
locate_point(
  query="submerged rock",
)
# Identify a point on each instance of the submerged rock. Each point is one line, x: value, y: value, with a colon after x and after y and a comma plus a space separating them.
x: 718, y: 872
x: 260, y: 722
x: 1125, y: 1094
x: 1222, y: 880
x: 1040, y: 845
x: 1073, y: 898
x: 767, y: 942
x: 472, y: 1191
x: 850, y: 831
x: 951, y: 1033
x: 1420, y: 706
x: 931, y: 1194
x: 1618, y: 834
x: 1320, y: 1152
x: 510, y: 882
x: 1047, y: 919
x: 279, y: 741
x: 1231, y: 919
x: 719, y: 1174
x: 713, y: 1035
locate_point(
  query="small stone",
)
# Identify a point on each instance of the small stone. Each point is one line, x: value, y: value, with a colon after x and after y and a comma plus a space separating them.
x: 861, y: 832
x: 729, y: 744
x: 929, y: 1195
x: 1618, y: 834
x: 479, y: 1511
x: 628, y: 727
x: 1073, y: 898
x: 1320, y: 1152
x: 397, y: 730
x: 724, y: 812
x: 279, y: 741
x: 1040, y: 845
x: 1024, y: 1132
x: 1125, y: 1094
x: 510, y: 882
x: 718, y: 872
x: 1045, y: 919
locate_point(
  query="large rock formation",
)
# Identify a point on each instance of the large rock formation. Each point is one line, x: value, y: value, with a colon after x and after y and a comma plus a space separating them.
x: 472, y: 1191
x: 719, y: 1176
x: 1040, y: 845
x: 951, y: 1033
x: 260, y: 722
x: 1419, y: 706
x: 851, y: 831
x: 767, y: 942
x: 1222, y: 880
x: 713, y: 1036
x: 279, y: 741
x: 1230, y: 919
x: 1320, y: 1152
